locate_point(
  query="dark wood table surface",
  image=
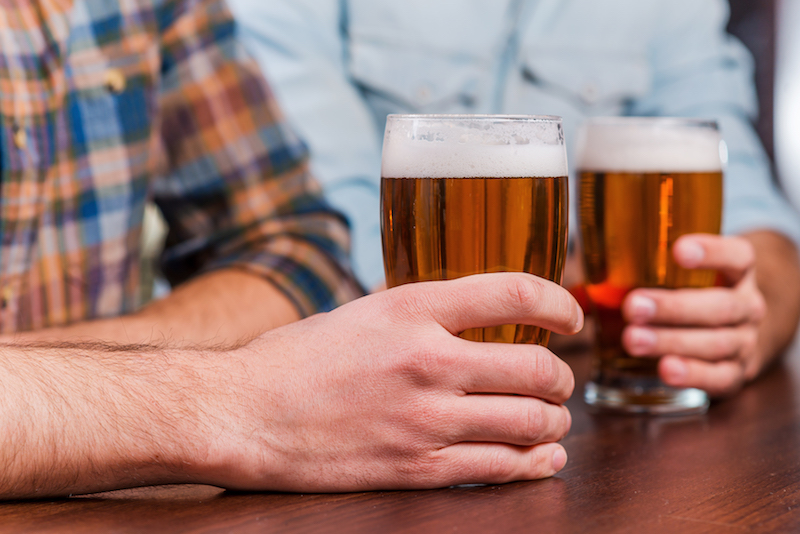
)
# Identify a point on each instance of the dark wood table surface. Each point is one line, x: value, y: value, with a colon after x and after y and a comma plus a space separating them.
x: 735, y: 469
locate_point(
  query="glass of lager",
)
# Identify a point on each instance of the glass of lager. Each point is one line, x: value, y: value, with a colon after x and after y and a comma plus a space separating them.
x: 643, y: 183
x: 468, y: 194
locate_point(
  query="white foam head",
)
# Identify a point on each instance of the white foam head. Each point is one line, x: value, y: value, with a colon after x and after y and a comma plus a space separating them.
x: 458, y: 146
x: 629, y: 144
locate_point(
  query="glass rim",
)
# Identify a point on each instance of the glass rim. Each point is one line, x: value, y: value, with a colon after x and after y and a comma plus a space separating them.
x: 696, y: 122
x: 464, y: 117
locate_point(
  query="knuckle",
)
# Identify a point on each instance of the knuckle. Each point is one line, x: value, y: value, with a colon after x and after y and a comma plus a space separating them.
x: 545, y: 374
x: 539, y: 464
x: 736, y: 312
x: 747, y: 253
x: 499, y: 465
x: 534, y: 423
x: 738, y: 252
x: 552, y: 377
x: 524, y: 294
x: 421, y: 367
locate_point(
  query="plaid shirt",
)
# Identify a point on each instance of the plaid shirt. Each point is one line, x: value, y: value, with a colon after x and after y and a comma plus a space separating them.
x: 105, y: 104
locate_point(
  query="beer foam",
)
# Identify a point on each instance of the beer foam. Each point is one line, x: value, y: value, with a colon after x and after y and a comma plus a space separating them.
x: 431, y: 160
x: 447, y: 149
x: 641, y: 146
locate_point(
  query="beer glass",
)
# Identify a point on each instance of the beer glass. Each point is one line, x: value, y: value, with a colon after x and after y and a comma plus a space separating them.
x: 643, y: 183
x: 467, y: 194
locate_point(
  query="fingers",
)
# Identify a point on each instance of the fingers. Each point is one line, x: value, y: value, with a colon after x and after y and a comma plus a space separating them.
x: 505, y: 419
x: 732, y: 256
x: 704, y: 343
x: 527, y: 370
x: 498, y: 463
x: 708, y: 337
x: 491, y: 300
x: 714, y: 360
x: 715, y: 306
x: 718, y: 379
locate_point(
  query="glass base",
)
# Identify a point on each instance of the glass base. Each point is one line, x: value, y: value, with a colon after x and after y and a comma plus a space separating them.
x: 660, y: 400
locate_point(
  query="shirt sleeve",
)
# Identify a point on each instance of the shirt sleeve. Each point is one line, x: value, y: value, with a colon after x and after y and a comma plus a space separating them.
x: 700, y: 70
x: 300, y: 44
x: 237, y: 191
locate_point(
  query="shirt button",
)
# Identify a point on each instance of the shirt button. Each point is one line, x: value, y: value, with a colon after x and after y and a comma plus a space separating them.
x: 115, y: 81
x: 20, y: 138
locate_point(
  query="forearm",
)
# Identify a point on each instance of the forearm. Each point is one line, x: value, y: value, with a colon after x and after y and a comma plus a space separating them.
x: 778, y: 277
x: 77, y: 419
x: 225, y: 307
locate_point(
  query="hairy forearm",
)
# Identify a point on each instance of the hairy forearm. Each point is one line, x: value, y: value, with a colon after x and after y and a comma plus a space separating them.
x: 81, y: 418
x: 225, y: 307
x: 778, y: 276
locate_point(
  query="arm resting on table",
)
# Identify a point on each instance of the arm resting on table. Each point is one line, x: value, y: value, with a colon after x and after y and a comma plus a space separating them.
x: 224, y: 307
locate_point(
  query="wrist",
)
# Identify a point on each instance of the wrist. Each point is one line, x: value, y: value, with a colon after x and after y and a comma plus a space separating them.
x: 229, y: 429
x: 161, y: 423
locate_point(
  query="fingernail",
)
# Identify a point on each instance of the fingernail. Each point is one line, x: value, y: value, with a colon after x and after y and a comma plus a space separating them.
x: 559, y: 459
x: 642, y: 308
x: 675, y: 371
x: 578, y: 326
x: 641, y: 340
x: 692, y: 253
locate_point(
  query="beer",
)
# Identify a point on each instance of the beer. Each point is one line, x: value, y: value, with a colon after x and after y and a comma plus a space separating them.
x: 475, y: 225
x: 456, y: 209
x: 629, y: 225
x: 640, y: 189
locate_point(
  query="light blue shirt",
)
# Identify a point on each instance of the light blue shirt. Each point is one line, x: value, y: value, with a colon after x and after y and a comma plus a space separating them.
x: 338, y: 67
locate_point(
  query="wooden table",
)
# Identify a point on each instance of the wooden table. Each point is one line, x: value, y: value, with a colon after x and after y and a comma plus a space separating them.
x: 736, y: 469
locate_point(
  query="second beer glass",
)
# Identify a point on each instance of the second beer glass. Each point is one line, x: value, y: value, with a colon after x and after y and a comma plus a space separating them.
x: 462, y: 195
x: 644, y: 182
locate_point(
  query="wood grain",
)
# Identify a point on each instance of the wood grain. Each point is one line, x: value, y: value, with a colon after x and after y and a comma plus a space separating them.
x: 735, y: 469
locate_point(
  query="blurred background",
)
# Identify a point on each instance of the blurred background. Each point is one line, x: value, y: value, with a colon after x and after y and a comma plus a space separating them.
x: 769, y: 28
x: 787, y: 97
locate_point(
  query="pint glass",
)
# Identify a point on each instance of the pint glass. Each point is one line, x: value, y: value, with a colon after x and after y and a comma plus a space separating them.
x: 643, y: 183
x: 462, y: 195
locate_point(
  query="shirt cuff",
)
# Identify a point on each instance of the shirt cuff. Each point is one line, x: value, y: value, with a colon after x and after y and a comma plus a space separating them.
x: 309, y: 277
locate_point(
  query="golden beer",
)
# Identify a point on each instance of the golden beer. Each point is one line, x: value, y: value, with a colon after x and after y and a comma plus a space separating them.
x: 630, y: 220
x: 629, y: 223
x: 445, y: 228
x: 463, y: 195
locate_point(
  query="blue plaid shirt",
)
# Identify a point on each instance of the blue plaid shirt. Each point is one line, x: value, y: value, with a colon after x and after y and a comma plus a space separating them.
x: 105, y: 105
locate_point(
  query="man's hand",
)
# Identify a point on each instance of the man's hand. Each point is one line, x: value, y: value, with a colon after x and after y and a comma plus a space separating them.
x: 716, y: 338
x: 378, y: 394
x: 382, y: 394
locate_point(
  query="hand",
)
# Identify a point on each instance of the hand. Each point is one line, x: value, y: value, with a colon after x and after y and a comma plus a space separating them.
x: 382, y: 394
x: 708, y: 337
